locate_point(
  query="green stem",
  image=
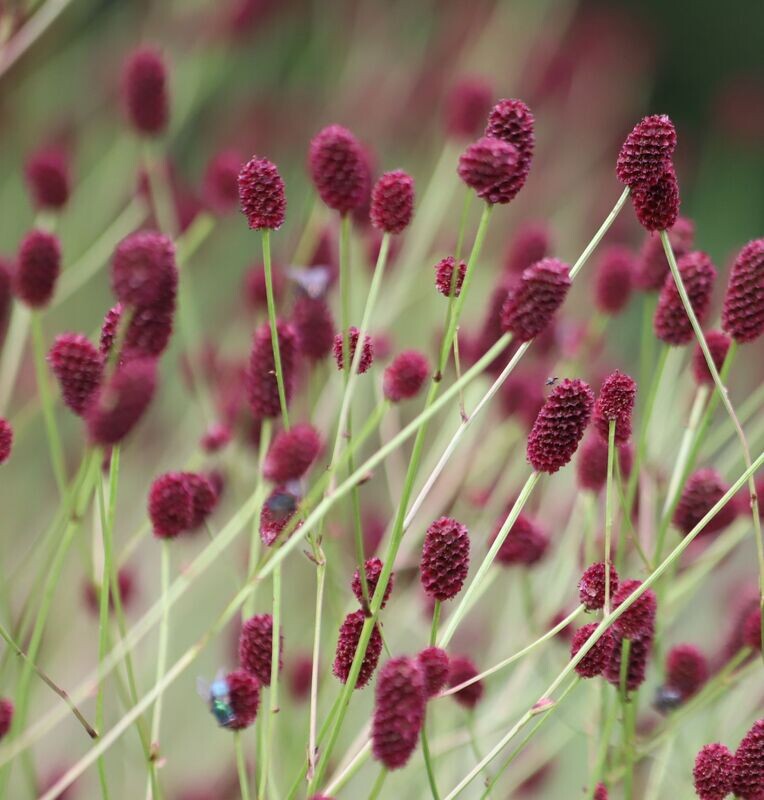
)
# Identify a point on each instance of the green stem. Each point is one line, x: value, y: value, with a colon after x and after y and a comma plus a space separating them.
x: 270, y: 718
x: 435, y: 623
x: 161, y: 192
x: 266, y: 238
x: 266, y: 430
x: 609, y: 509
x: 599, y: 766
x: 313, y: 725
x: 164, y: 636
x: 241, y: 765
x: 12, y: 350
x: 377, y: 787
x: 428, y: 761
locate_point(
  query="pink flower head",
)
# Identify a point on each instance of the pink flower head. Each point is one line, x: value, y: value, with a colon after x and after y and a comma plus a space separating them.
x: 652, y: 266
x: 488, y: 166
x: 261, y: 194
x: 445, y: 558
x: 6, y: 440
x: 292, y: 453
x: 367, y: 354
x: 646, y: 154
x: 300, y: 674
x: 215, y: 438
x: 399, y: 706
x: 221, y: 181
x: 748, y: 782
x: 700, y: 494
x: 38, y: 266
x: 143, y: 270
x: 460, y: 670
x: 262, y: 385
x: 512, y: 122
x: 127, y: 589
x: 525, y: 544
x: 204, y: 497
x: 47, y: 174
x: 373, y: 569
x: 718, y: 345
x: 405, y: 376
x: 636, y: 669
x: 171, y: 505
x: 600, y: 792
x: 467, y: 104
x: 244, y: 697
x: 532, y: 242
x: 591, y: 466
x: 144, y: 89
x: 615, y: 403
x: 347, y: 644
x: 597, y: 657
x: 752, y: 629
x: 638, y: 621
x: 444, y: 271
x: 657, y: 205
x: 255, y: 646
x: 392, y: 202
x: 686, y: 669
x: 560, y: 426
x: 713, y: 772
x: 313, y: 324
x: 6, y: 716
x: 338, y: 167
x: 591, y: 587
x: 671, y: 323
x: 434, y: 664
x: 743, y: 312
x: 531, y: 303
x: 78, y: 367
x: 613, y: 282
x: 148, y: 332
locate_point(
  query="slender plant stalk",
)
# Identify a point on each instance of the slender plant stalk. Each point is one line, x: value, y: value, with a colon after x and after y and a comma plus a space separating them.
x: 625, y: 702
x: 161, y: 192
x: 609, y: 509
x: 241, y: 765
x: 273, y: 691
x: 266, y: 240
x: 377, y: 787
x: 599, y: 767
x: 266, y: 430
x: 12, y: 350
x: 315, y: 667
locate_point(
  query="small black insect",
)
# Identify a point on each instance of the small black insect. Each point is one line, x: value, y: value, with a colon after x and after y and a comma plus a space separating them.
x: 551, y: 381
x: 667, y: 698
x: 281, y: 505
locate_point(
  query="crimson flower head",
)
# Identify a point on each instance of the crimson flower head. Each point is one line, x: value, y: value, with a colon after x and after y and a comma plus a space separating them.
x: 613, y: 282
x: 600, y: 792
x: 531, y: 303
x: 262, y: 385
x: 314, y: 326
x: 338, y: 167
x: 591, y: 587
x: 743, y: 311
x: 615, y: 403
x: 532, y: 242
x: 748, y: 782
x: 148, y: 332
x: 686, y: 669
x: 171, y: 505
x: 752, y: 629
x: 636, y: 669
x: 256, y: 645
x: 512, y: 122
x: 525, y: 544
x: 646, y: 154
x: 244, y: 697
x: 671, y: 323
x: 392, y: 202
x: 367, y: 353
x: 47, y: 174
x: 221, y: 181
x: 78, y: 367
x: 467, y: 104
x: 657, y: 205
x: 292, y: 453
x: 347, y: 644
x: 718, y: 344
x: 445, y: 558
x: 652, y: 266
x: 405, y: 376
x: 444, y: 276
x: 434, y: 664
x: 399, y: 704
x: 121, y: 401
x: 488, y: 166
x: 6, y: 716
x: 591, y: 466
x: 701, y: 493
x: 261, y: 194
x: 460, y: 670
x: 638, y: 621
x: 204, y: 496
x: 560, y: 425
x: 6, y: 440
x: 373, y: 569
x: 143, y: 270
x: 145, y: 93
x: 598, y: 656
x: 6, y: 294
x: 38, y: 266
x: 713, y: 772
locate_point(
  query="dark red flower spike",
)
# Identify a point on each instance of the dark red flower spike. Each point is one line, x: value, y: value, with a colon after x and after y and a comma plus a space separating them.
x: 405, y: 375
x: 78, y: 367
x: 221, y: 181
x: 487, y: 166
x: 347, y: 644
x: 460, y: 670
x: 145, y: 91
x: 244, y: 697
x: 338, y: 167
x: 686, y: 669
x: 373, y: 568
x: 598, y: 656
x: 255, y: 646
x: 467, y: 105
x: 367, y: 354
x: 525, y: 544
x: 445, y: 558
x: 718, y: 345
x: 657, y: 205
x: 48, y: 179
x: 170, y: 506
x: 613, y: 281
x: 38, y: 265
x: 591, y: 587
x: 532, y: 242
x: 591, y: 464
x: 434, y: 663
x: 748, y: 782
x: 313, y: 324
x: 636, y: 670
x: 615, y: 403
x: 743, y: 312
x: 701, y: 492
x: 533, y: 301
x: 6, y: 440
x: 261, y: 194
x: 638, y: 621
x: 392, y: 202
x: 262, y: 386
x: 143, y: 270
x: 6, y: 716
x: 713, y: 772
x: 292, y: 453
x: 512, y: 122
x: 444, y: 271
x: 647, y: 151
x: 652, y: 266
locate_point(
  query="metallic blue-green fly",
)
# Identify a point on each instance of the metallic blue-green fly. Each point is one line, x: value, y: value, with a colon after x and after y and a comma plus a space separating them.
x: 217, y: 695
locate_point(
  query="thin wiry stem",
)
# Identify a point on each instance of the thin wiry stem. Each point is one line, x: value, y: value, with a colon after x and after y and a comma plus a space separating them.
x: 273, y: 689
x: 241, y: 765
x: 12, y: 350
x: 625, y: 702
x: 266, y: 239
x: 609, y: 509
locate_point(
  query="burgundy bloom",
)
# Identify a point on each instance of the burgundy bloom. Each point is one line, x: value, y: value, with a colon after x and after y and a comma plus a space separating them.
x: 646, y: 154
x: 488, y: 166
x: 460, y: 670
x: 743, y: 312
x: 78, y: 367
x: 6, y: 716
x: 700, y: 494
x: 144, y: 88
x: 255, y: 646
x: 671, y: 323
x: 615, y: 402
x: 713, y: 772
x: 292, y: 453
x: 533, y: 301
x: 686, y: 669
x: 215, y: 438
x: 399, y: 705
x: 314, y: 326
x: 300, y: 675
x: 657, y: 205
x: 262, y: 386
x: 276, y: 513
x: 6, y: 440
x: 560, y: 425
x: 143, y: 271
x: 522, y: 394
x: 204, y: 497
x: 445, y: 558
x: 652, y: 266
x: 126, y: 583
x: 121, y: 402
x: 718, y: 345
x: 171, y: 505
x: 261, y: 194
x: 591, y: 466
x: 613, y: 282
x: 347, y: 644
x: 748, y: 783
x: 638, y: 621
x: 591, y: 587
x: 636, y: 670
x: 109, y: 329
x: 405, y: 376
x: 6, y: 295
x: 367, y: 354
x: 148, y: 332
x: 597, y: 658
x: 47, y: 174
x: 752, y: 629
x: 512, y: 122
x: 221, y: 181
x: 434, y: 664
x: 392, y: 202
x: 467, y: 105
x: 244, y: 697
x: 532, y: 242
x: 339, y: 169
x: 373, y: 569
x: 444, y: 271
x: 38, y: 265
x: 525, y: 544
x: 600, y: 792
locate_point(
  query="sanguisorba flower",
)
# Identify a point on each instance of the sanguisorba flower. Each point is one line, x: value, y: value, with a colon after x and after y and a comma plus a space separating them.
x: 743, y: 311
x: 221, y: 181
x: 47, y: 174
x: 262, y: 385
x: 636, y: 669
x: 255, y: 647
x: 445, y: 558
x: 686, y: 669
x: 532, y: 242
x: 6, y: 440
x: 373, y: 569
x: 313, y: 324
x: 338, y: 168
x: 292, y: 453
x: 615, y: 403
x: 525, y: 545
x: 347, y: 644
x: 646, y: 153
x: 713, y: 772
x: 170, y: 505
x: 404, y: 377
x: 204, y: 496
x: 38, y: 265
x: 670, y: 322
x: 261, y: 194
x: 657, y: 205
x: 367, y: 353
x: 78, y: 367
x: 748, y: 782
x: 718, y: 344
x: 392, y: 202
x: 143, y: 270
x: 434, y: 662
x: 591, y: 464
x: 638, y: 621
x: 145, y: 91
x: 591, y: 587
x: 560, y: 425
x: 6, y: 716
x: 597, y: 657
x: 444, y: 276
x: 613, y: 281
x: 148, y: 332
x: 702, y: 491
x: 652, y: 266
x: 512, y: 121
x: 399, y: 707
x: 460, y: 670
x: 244, y: 697
x: 486, y: 166
x: 467, y: 103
